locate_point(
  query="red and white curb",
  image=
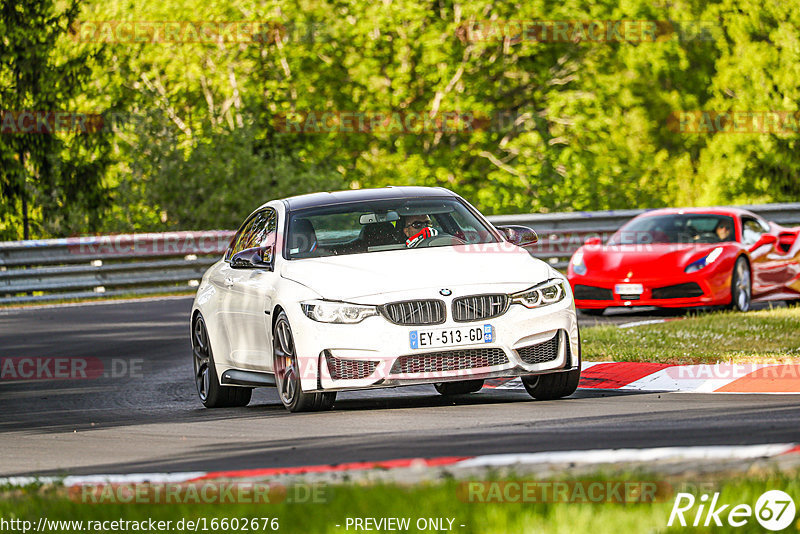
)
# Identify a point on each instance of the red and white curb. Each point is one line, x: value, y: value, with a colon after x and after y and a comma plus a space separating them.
x: 583, y: 457
x: 716, y: 378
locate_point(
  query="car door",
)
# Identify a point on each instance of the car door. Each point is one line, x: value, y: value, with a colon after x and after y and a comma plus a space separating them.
x: 769, y: 267
x: 248, y: 296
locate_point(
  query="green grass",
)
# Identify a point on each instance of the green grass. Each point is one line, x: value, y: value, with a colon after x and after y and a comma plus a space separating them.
x: 761, y: 336
x: 434, y: 499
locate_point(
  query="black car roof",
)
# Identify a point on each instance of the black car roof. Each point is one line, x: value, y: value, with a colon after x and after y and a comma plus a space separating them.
x: 358, y: 195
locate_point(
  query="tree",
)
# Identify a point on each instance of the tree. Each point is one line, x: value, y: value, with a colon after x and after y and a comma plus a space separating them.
x: 53, y: 158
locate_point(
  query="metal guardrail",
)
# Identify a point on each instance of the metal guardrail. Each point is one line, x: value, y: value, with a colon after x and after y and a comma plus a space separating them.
x: 109, y: 265
x: 98, y: 266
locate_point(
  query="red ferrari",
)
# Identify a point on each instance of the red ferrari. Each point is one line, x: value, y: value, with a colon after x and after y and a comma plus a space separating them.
x: 678, y: 258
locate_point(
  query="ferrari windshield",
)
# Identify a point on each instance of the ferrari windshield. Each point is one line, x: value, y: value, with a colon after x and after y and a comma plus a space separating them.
x: 676, y: 228
x: 379, y: 225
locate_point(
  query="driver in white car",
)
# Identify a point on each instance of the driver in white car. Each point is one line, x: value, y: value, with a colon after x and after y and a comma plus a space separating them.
x: 417, y: 228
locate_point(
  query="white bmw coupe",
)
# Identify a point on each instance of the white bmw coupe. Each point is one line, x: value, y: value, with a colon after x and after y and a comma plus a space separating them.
x: 379, y: 288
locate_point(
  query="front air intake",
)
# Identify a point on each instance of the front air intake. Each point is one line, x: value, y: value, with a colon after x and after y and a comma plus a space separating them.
x: 449, y: 360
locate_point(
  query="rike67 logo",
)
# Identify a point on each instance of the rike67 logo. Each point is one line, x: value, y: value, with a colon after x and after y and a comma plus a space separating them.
x: 774, y: 510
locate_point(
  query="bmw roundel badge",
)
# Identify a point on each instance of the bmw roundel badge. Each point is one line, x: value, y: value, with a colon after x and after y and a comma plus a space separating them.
x: 445, y: 292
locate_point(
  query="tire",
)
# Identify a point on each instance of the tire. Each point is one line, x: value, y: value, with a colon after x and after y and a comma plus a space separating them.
x: 287, y: 378
x: 792, y: 303
x: 593, y: 312
x: 554, y: 385
x: 741, y: 289
x: 211, y: 393
x: 459, y: 388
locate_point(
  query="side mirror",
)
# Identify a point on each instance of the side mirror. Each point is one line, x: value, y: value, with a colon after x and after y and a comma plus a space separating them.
x: 253, y: 258
x: 765, y: 239
x: 593, y: 241
x: 522, y: 236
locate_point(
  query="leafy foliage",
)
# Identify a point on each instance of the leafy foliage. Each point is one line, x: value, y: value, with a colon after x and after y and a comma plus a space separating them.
x: 56, y: 181
x: 570, y: 125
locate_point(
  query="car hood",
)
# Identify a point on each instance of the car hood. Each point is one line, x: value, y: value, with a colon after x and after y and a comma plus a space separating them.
x: 363, y: 275
x: 644, y: 260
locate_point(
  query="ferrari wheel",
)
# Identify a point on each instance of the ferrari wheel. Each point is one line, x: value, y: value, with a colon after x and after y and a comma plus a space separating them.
x: 462, y: 387
x: 740, y: 286
x: 211, y: 393
x: 287, y: 373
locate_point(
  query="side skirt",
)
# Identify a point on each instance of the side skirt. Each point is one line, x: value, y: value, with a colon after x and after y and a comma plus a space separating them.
x: 237, y: 377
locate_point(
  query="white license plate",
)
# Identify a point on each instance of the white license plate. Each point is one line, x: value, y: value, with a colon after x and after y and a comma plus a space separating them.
x: 628, y: 289
x: 451, y: 337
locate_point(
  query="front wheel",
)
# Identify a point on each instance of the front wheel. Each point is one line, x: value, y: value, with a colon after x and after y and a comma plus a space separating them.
x: 287, y: 373
x: 552, y: 386
x: 211, y: 393
x: 462, y: 387
x: 740, y: 286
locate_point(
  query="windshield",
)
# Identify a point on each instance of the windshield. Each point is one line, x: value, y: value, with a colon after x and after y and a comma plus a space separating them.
x: 374, y: 226
x: 676, y: 228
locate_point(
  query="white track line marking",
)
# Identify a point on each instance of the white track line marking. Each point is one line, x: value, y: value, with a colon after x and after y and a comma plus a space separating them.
x: 600, y: 456
x: 642, y: 323
x: 80, y: 480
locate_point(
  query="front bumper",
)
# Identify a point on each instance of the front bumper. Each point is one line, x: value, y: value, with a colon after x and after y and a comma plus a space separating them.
x: 672, y: 291
x: 377, y: 354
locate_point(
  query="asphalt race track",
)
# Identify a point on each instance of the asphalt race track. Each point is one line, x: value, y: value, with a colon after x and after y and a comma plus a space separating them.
x: 143, y: 416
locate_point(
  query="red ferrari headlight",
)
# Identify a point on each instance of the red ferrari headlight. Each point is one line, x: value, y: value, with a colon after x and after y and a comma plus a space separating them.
x: 704, y: 261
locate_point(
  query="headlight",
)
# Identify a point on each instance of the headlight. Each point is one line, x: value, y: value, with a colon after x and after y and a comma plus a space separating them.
x: 544, y: 294
x: 578, y: 267
x: 326, y: 311
x: 704, y: 261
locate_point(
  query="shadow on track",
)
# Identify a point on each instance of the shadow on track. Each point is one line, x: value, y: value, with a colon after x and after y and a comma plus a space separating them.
x: 672, y: 427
